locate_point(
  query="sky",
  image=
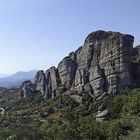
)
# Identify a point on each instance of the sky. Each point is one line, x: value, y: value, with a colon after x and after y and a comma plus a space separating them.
x: 37, y: 34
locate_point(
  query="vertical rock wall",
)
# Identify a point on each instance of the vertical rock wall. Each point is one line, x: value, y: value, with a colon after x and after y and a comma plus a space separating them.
x: 101, y: 65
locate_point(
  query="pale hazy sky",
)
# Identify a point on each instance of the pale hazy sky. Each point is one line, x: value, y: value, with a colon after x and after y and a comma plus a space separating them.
x: 36, y: 34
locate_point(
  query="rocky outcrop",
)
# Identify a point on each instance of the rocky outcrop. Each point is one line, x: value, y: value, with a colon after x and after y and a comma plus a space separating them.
x: 77, y: 98
x: 110, y: 65
x: 27, y: 89
x: 101, y: 65
x: 2, y: 111
x: 40, y: 82
x: 52, y: 82
x: 102, y: 115
x: 67, y: 69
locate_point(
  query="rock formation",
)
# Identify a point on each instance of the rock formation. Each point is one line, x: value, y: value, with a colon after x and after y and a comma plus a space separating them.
x: 27, y: 89
x: 102, y: 64
x: 40, y: 82
x: 52, y: 82
x: 102, y: 115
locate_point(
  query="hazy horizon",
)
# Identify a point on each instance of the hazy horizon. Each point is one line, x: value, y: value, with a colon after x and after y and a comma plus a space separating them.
x: 4, y: 75
x: 37, y: 35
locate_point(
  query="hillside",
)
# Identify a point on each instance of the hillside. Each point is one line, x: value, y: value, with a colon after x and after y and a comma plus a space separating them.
x: 64, y: 118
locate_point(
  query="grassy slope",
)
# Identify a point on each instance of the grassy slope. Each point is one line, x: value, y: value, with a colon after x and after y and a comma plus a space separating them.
x: 62, y: 118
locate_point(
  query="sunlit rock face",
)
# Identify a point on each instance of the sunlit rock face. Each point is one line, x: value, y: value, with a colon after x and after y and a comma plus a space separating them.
x: 102, y: 64
x: 67, y: 70
x: 40, y: 82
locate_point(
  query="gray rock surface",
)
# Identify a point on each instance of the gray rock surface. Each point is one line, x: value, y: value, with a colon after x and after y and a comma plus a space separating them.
x: 40, y: 82
x: 2, y: 111
x: 77, y: 98
x: 102, y: 115
x: 27, y: 89
x: 102, y: 64
x: 52, y: 82
x: 110, y: 66
x: 67, y: 69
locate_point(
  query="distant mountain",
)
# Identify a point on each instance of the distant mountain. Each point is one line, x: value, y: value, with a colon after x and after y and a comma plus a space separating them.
x: 4, y: 75
x: 17, y: 78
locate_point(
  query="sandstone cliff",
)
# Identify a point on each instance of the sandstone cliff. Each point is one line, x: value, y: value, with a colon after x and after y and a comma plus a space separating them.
x: 102, y: 64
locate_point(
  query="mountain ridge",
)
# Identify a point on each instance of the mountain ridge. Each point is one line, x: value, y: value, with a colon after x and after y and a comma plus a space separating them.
x: 17, y: 78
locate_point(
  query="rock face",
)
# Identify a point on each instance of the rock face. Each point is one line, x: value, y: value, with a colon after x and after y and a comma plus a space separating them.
x: 27, y: 89
x: 2, y: 111
x: 102, y: 115
x: 110, y: 64
x: 40, y: 82
x: 52, y: 82
x: 102, y: 64
x: 67, y: 70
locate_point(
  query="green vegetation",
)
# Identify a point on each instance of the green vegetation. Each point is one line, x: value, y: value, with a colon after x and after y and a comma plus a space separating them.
x: 62, y: 118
